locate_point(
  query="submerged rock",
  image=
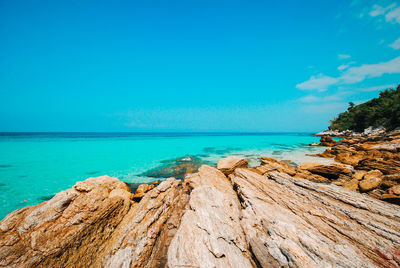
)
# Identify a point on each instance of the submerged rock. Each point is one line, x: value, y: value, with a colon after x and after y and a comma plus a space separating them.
x: 176, y: 168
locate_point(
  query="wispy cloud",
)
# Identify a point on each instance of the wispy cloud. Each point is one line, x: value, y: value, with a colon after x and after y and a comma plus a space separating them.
x: 393, y: 16
x: 343, y: 67
x: 395, y: 44
x: 343, y: 56
x: 358, y: 74
x: 352, y: 75
x: 379, y: 10
x: 320, y: 82
x: 376, y: 88
x: 391, y: 12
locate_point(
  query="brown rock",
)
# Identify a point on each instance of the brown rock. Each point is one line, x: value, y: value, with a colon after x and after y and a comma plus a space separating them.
x: 141, y: 190
x: 359, y: 174
x: 210, y: 234
x: 388, y: 184
x: 248, y: 220
x: 304, y: 174
x: 393, y: 177
x: 387, y: 167
x: 395, y: 190
x: 327, y: 141
x: 229, y: 164
x: 349, y: 158
x: 391, y: 198
x: 94, y: 224
x: 372, y: 174
x: 369, y: 184
x: 341, y: 180
x: 351, y: 185
x: 270, y: 164
x: 331, y: 171
x: 285, y: 222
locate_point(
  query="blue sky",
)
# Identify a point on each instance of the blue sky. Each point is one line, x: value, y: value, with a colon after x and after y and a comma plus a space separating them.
x: 192, y: 65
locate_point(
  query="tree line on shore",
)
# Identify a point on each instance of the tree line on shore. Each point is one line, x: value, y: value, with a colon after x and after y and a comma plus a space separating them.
x: 383, y: 111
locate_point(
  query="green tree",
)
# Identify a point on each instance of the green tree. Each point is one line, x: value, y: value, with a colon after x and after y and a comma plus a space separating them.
x: 382, y: 111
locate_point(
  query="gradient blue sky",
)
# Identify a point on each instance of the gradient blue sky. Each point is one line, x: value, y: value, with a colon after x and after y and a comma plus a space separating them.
x: 192, y: 65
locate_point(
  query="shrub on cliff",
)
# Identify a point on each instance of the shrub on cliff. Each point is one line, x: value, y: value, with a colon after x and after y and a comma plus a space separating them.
x: 382, y: 111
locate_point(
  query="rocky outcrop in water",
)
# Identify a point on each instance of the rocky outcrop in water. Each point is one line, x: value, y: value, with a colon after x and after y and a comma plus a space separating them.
x: 254, y: 217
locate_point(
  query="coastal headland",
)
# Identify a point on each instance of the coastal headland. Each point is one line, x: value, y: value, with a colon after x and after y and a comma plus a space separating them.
x: 342, y: 214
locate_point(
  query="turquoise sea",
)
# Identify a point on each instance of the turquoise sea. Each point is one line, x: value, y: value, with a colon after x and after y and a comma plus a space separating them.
x: 35, y: 166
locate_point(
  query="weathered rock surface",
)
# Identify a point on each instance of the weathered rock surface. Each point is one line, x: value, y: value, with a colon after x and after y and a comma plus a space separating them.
x: 249, y: 219
x: 299, y: 223
x: 327, y: 141
x: 229, y: 164
x: 371, y: 155
x: 210, y: 234
x: 369, y: 183
x: 332, y: 171
x: 94, y: 224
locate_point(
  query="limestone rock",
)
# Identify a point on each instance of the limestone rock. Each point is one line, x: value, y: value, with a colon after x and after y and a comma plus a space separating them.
x: 210, y: 234
x: 270, y: 164
x: 331, y: 171
x: 369, y: 184
x: 208, y: 220
x: 299, y: 223
x: 351, y: 185
x: 94, y: 224
x: 229, y: 164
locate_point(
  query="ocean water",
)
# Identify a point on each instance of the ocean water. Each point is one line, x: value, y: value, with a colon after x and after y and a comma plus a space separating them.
x: 35, y: 166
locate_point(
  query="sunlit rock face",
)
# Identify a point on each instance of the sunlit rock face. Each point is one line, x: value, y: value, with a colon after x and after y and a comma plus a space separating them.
x: 274, y: 215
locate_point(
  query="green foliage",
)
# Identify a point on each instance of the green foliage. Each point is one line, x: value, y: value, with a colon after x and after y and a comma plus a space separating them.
x: 382, y: 111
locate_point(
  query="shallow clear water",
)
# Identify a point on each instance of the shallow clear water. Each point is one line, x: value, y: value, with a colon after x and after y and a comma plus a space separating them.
x: 33, y: 167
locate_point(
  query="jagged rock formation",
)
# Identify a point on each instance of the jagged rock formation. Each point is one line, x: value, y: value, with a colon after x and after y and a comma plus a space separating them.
x: 94, y: 224
x: 379, y: 154
x: 248, y: 219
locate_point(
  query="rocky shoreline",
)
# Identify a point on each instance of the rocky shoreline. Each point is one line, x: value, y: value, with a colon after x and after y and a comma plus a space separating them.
x: 272, y: 215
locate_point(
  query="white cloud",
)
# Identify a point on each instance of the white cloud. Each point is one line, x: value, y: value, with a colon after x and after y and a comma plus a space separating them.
x: 391, y: 12
x: 320, y: 82
x: 358, y: 74
x: 395, y: 44
x: 343, y: 56
x: 376, y: 88
x: 393, y: 16
x: 343, y: 67
x: 352, y: 75
x: 379, y: 10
